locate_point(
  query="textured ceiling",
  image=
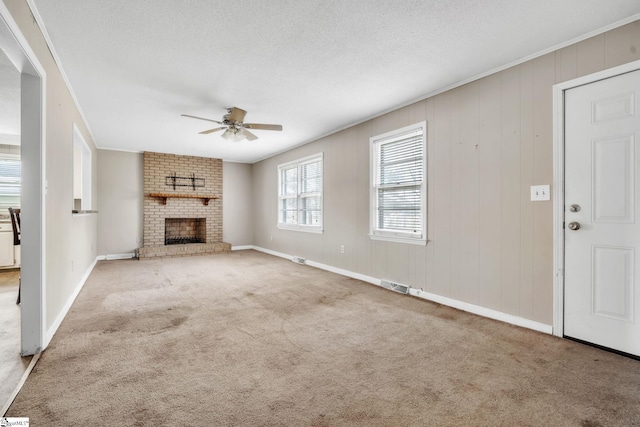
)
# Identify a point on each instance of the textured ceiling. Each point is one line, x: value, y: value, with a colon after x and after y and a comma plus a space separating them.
x: 312, y: 66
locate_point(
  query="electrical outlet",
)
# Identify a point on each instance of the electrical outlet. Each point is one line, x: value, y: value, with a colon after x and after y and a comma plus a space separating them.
x: 272, y: 237
x: 341, y: 249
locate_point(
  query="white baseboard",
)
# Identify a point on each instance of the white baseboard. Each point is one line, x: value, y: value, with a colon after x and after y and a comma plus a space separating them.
x: 56, y: 324
x: 460, y: 305
x: 241, y: 248
x: 110, y: 257
x: 483, y: 311
x: 344, y: 272
x: 127, y: 255
x: 274, y: 253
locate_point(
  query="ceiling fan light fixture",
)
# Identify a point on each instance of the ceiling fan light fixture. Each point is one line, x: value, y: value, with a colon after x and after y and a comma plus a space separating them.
x: 233, y: 134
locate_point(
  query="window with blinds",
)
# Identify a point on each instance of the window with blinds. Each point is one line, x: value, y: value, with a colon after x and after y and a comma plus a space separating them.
x: 10, y: 170
x: 398, y: 188
x: 300, y: 194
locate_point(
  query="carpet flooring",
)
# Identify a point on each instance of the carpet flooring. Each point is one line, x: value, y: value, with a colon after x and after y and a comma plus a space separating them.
x: 247, y: 339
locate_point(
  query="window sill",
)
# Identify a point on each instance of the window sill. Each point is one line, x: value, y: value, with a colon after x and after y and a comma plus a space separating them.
x: 303, y: 229
x: 395, y: 239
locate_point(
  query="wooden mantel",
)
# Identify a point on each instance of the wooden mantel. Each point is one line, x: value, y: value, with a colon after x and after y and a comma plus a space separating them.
x: 164, y: 196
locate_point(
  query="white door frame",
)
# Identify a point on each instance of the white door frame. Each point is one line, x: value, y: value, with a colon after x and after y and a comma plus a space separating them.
x: 33, y: 149
x: 558, y: 182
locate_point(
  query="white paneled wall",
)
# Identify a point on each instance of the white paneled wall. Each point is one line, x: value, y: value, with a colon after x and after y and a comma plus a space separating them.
x: 488, y: 142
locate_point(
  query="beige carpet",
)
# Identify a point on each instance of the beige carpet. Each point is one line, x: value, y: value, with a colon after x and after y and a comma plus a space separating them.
x: 246, y: 339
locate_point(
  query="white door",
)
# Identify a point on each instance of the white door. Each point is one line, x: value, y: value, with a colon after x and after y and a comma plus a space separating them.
x: 602, y: 213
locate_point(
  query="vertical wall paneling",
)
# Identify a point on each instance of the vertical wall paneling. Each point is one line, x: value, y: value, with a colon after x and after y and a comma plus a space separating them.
x: 429, y: 277
x: 360, y: 197
x: 469, y: 192
x: 120, y: 200
x: 511, y: 190
x: 456, y: 202
x: 488, y: 142
x: 418, y: 253
x: 566, y: 64
x: 590, y: 54
x: 265, y: 186
x: 622, y: 45
x: 378, y: 255
x: 345, y: 176
x: 490, y: 215
x: 526, y: 181
x: 336, y: 212
x: 441, y: 188
x: 355, y: 180
x: 544, y: 79
x: 237, y: 210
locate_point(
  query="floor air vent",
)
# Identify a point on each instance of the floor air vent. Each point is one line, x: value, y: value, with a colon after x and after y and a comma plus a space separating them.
x: 299, y: 260
x: 396, y: 287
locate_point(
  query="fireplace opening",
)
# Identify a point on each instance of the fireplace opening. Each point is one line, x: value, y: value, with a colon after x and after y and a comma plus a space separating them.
x: 180, y: 231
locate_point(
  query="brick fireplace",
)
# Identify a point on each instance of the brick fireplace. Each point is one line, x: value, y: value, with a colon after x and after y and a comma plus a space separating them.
x: 182, y: 206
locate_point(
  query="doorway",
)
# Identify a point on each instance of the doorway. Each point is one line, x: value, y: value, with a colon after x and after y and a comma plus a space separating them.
x: 12, y: 366
x: 597, y: 233
x: 32, y: 149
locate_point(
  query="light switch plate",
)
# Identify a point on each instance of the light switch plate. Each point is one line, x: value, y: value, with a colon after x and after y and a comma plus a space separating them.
x: 540, y: 193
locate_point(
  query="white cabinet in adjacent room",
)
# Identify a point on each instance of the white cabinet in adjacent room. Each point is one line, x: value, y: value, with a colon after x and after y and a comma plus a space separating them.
x: 6, y: 248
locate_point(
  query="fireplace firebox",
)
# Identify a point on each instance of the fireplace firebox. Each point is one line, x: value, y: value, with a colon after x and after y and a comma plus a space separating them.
x: 180, y: 231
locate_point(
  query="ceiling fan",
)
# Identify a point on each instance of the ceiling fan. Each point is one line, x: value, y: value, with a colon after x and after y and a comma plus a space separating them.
x: 236, y: 129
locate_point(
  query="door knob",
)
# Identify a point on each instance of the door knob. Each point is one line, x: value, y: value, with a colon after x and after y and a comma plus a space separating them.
x: 574, y: 208
x: 574, y: 226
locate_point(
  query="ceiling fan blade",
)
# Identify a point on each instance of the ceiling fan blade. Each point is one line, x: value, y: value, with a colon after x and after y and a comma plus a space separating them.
x: 249, y: 135
x: 205, y: 132
x: 201, y: 118
x: 236, y: 115
x: 261, y: 126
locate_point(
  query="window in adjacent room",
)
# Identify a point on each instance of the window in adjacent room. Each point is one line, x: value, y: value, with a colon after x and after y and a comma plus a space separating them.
x: 9, y: 181
x: 300, y: 194
x: 81, y: 172
x: 398, y: 185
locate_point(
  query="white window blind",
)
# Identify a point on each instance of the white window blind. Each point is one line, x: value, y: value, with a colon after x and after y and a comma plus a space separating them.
x: 300, y: 194
x: 398, y: 187
x: 10, y: 170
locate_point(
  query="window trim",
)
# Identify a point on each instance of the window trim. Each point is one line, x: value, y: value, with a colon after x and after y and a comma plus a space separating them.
x: 17, y: 158
x: 317, y: 229
x: 397, y: 236
x: 82, y: 172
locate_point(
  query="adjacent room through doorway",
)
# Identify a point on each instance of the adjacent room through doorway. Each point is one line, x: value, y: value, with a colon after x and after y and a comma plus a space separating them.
x: 12, y: 365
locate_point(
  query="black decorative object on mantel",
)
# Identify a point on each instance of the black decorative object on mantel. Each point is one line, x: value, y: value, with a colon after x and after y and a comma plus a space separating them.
x: 183, y: 181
